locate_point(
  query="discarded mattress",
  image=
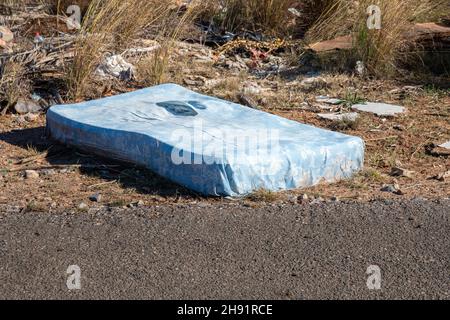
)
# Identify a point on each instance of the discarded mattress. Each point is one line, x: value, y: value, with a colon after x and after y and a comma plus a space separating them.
x: 208, y: 145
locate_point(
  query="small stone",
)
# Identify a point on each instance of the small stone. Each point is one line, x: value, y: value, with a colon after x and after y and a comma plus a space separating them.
x: 48, y: 172
x: 400, y: 172
x: 31, y: 174
x: 30, y: 117
x: 395, y: 188
x: 313, y: 83
x: 443, y: 176
x: 442, y: 150
x: 27, y: 106
x: 140, y: 203
x: 335, y: 199
x: 399, y: 127
x: 303, y: 197
x: 352, y: 116
x: 247, y: 101
x: 83, y: 207
x: 96, y: 197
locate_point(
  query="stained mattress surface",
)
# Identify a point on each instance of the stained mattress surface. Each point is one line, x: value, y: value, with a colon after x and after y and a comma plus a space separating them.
x: 208, y: 145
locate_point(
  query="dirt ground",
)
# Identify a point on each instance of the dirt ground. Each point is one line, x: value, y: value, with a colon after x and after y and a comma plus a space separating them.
x: 68, y: 177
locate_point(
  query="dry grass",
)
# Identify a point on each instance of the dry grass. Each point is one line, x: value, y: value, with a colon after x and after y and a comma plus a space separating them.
x: 110, y: 26
x: 234, y: 15
x: 13, y: 84
x: 380, y: 50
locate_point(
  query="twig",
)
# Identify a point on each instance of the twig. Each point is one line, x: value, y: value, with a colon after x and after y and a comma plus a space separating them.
x: 102, y: 184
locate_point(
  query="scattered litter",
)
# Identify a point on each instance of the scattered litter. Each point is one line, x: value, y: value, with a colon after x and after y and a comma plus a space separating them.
x: 400, y: 172
x: 6, y: 35
x: 380, y: 109
x: 27, y: 106
x: 116, y: 66
x: 352, y: 116
x: 38, y: 40
x: 295, y: 12
x: 340, y: 43
x: 360, y: 68
x: 96, y: 197
x: 445, y: 145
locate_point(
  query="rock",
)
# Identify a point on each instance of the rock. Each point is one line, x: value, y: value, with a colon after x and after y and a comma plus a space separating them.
x: 313, y: 83
x: 6, y: 35
x: 335, y: 199
x: 140, y: 203
x: 247, y: 101
x: 392, y: 188
x: 317, y: 200
x: 48, y: 172
x: 193, y: 83
x: 400, y: 172
x: 328, y: 100
x: 399, y: 127
x: 303, y: 198
x: 352, y: 116
x: 380, y: 109
x: 27, y: 106
x: 96, y: 197
x: 442, y: 150
x: 83, y: 207
x: 31, y: 174
x: 31, y: 117
x: 443, y: 176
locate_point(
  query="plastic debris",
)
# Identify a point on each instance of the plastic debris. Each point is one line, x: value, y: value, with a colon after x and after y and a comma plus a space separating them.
x: 6, y: 35
x: 116, y: 66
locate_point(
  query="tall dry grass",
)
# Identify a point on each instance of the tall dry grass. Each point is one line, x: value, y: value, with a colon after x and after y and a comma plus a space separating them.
x: 380, y: 50
x: 13, y: 84
x: 232, y: 15
x: 110, y: 26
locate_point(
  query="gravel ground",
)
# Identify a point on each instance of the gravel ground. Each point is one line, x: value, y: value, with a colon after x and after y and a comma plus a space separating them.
x: 230, y: 251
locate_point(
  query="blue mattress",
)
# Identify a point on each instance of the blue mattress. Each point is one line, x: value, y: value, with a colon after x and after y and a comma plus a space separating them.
x: 211, y: 146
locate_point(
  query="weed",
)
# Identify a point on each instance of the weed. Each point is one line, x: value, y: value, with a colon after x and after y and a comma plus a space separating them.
x: 263, y: 195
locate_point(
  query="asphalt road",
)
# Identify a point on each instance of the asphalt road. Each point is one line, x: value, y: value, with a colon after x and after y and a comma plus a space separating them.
x: 230, y: 252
